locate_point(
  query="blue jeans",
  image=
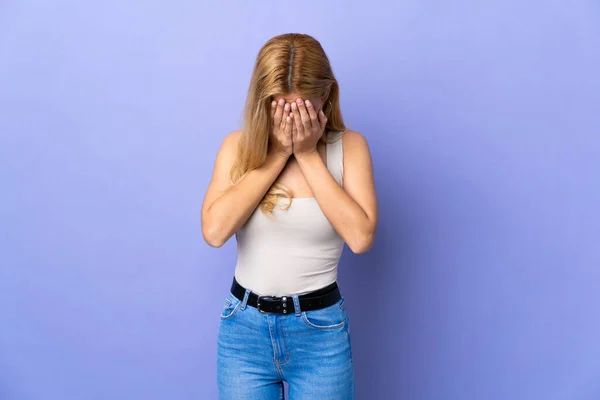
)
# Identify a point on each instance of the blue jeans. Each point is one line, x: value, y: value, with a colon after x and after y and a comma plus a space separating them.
x: 310, y: 350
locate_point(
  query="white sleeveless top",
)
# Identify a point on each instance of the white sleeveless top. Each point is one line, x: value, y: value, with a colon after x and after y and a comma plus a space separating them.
x: 295, y: 252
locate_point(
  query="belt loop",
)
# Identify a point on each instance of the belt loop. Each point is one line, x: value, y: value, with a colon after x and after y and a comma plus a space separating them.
x: 296, y: 304
x: 245, y: 300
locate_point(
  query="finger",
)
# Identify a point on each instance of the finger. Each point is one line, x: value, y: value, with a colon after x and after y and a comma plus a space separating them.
x: 279, y: 112
x: 273, y: 108
x: 296, y: 136
x: 322, y: 119
x: 294, y: 128
x: 304, y: 115
x: 286, y: 113
x: 288, y: 126
x: 297, y: 119
x: 312, y: 114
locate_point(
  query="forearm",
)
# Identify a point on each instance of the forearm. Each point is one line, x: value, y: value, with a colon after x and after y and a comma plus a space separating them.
x: 345, y: 214
x: 229, y: 212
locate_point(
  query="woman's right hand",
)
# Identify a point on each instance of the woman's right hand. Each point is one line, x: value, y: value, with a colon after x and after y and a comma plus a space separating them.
x: 281, y: 134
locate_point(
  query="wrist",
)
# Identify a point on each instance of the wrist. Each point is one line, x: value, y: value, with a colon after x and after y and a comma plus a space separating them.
x: 307, y: 156
x: 279, y: 156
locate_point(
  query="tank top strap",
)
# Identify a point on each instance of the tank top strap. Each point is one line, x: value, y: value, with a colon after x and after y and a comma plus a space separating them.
x: 335, y: 156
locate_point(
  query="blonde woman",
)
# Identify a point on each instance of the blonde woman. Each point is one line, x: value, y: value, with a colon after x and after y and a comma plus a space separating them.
x: 294, y: 185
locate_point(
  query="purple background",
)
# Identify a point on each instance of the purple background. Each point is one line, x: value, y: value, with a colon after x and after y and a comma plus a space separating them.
x: 483, y: 121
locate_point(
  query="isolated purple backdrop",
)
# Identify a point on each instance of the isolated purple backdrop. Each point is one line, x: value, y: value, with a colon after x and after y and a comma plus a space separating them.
x: 483, y: 121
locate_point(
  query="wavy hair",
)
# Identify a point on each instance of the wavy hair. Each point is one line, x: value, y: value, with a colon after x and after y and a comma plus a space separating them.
x: 288, y: 63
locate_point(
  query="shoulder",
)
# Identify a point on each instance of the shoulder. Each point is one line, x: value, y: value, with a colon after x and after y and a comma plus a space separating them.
x: 354, y: 142
x: 356, y: 152
x: 230, y: 143
x: 353, y: 136
x: 227, y: 153
x: 232, y: 139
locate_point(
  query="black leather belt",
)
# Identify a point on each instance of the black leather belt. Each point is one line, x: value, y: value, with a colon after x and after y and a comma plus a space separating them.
x: 320, y: 298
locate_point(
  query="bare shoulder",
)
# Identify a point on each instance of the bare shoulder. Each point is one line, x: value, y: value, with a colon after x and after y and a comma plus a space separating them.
x: 359, y: 180
x: 231, y: 140
x: 358, y: 166
x: 228, y: 150
x: 355, y: 143
x: 226, y: 157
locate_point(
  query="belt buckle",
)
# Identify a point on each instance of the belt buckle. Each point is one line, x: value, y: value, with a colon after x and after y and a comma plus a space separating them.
x: 283, y: 300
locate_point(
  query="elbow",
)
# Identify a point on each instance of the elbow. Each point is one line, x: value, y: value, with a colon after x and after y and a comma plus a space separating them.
x: 214, y: 242
x: 363, y: 242
x: 212, y: 236
x: 360, y: 248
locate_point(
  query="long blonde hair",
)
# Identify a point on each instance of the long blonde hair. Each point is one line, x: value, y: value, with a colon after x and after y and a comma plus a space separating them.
x: 286, y: 63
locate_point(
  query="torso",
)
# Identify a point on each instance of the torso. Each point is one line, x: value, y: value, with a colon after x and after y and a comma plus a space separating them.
x: 297, y: 250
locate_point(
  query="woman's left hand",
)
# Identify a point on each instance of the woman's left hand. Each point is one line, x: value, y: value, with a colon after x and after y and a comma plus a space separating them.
x: 310, y: 126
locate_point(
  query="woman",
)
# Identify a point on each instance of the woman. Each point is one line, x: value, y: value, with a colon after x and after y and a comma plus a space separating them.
x: 293, y: 185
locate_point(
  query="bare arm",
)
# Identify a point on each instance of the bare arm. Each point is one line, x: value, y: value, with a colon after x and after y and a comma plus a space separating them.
x: 226, y: 207
x: 353, y: 210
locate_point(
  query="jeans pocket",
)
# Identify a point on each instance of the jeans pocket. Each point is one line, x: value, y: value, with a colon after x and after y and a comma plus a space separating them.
x: 231, y: 306
x: 328, y: 318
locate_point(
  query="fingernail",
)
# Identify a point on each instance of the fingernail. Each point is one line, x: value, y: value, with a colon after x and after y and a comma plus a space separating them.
x: 274, y: 103
x: 281, y: 102
x: 299, y: 101
x: 307, y: 103
x: 287, y: 107
x: 294, y: 106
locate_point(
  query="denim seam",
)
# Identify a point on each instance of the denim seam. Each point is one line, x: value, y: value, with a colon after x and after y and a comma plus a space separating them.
x: 285, y: 349
x: 235, y: 309
x: 327, y: 327
x: 341, y: 304
x: 273, y: 347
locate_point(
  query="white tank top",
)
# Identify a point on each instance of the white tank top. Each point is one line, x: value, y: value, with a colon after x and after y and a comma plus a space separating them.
x: 295, y: 252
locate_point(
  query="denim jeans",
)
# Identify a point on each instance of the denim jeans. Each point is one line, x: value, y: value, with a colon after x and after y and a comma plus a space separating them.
x: 310, y: 350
